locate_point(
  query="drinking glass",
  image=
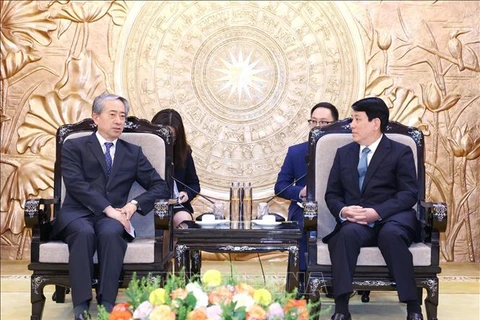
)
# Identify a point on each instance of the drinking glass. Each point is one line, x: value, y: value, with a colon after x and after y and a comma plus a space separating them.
x: 219, y: 210
x: 262, y: 209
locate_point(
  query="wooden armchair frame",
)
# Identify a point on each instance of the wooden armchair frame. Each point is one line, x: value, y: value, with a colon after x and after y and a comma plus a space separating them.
x: 371, y: 273
x: 150, y: 253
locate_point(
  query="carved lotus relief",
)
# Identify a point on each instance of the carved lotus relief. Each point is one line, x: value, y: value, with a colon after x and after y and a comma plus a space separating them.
x: 244, y: 76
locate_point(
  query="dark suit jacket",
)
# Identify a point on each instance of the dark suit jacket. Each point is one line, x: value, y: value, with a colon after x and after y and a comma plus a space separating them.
x: 294, y: 168
x: 188, y: 176
x: 390, y: 186
x: 87, y: 188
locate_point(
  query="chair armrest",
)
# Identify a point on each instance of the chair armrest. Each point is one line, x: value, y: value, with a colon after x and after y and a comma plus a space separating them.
x: 163, y: 213
x: 436, y: 215
x: 163, y: 219
x: 38, y: 215
x: 310, y: 216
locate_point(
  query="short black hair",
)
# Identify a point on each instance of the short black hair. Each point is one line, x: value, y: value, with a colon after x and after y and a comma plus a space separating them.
x: 374, y: 108
x: 328, y: 106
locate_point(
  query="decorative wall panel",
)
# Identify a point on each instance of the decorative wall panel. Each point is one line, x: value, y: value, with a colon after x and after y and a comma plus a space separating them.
x: 244, y: 76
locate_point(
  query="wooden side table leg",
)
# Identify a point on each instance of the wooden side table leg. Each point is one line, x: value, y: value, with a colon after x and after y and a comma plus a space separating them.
x: 181, y: 256
x: 196, y: 261
x: 293, y: 268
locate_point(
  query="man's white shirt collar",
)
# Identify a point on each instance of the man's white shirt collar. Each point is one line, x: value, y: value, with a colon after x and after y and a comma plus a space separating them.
x: 373, y: 147
x: 102, y: 141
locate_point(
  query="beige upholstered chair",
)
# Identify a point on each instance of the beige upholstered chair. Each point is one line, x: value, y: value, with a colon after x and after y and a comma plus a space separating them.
x: 371, y: 272
x: 151, y: 251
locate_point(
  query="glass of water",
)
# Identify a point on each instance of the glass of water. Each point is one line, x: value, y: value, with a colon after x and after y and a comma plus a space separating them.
x: 262, y: 210
x: 219, y: 210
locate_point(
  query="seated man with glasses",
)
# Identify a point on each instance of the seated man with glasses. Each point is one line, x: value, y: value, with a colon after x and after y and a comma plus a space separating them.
x: 291, y: 179
x: 315, y: 123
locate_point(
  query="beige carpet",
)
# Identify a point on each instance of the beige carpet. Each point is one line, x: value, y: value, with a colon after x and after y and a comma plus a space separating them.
x: 459, y: 292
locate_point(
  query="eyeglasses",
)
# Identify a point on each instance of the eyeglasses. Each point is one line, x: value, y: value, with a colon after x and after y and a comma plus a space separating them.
x: 319, y: 123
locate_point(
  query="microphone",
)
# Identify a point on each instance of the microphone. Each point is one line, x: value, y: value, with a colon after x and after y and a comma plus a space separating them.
x: 291, y: 184
x: 307, y: 162
x: 191, y: 189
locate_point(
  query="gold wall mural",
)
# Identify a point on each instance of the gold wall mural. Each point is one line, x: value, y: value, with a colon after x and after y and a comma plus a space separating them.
x: 244, y: 76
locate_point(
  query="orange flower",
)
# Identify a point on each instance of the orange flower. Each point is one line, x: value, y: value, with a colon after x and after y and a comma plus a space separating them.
x: 197, y: 314
x: 162, y: 312
x: 245, y: 288
x: 121, y: 312
x: 297, y: 308
x: 220, y: 295
x: 256, y: 312
x: 179, y: 293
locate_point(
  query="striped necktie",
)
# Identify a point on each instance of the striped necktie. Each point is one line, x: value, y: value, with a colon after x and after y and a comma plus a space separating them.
x: 108, y: 157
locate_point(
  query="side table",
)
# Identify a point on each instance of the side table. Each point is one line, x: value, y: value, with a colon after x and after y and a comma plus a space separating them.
x: 237, y: 237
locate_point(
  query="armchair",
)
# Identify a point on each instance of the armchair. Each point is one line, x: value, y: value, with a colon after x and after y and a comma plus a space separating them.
x: 371, y: 272
x: 152, y: 250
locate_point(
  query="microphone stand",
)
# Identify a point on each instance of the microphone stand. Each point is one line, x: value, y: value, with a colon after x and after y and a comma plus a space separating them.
x: 191, y: 189
x: 291, y: 184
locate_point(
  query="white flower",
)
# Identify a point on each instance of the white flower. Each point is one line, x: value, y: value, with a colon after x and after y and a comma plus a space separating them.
x: 214, y: 312
x: 243, y: 300
x: 143, y: 310
x: 193, y: 286
x: 202, y: 299
x: 275, y: 311
x: 198, y: 293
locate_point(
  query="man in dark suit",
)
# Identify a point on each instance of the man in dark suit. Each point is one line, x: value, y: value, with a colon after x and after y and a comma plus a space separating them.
x: 371, y: 191
x: 98, y: 172
x: 291, y: 180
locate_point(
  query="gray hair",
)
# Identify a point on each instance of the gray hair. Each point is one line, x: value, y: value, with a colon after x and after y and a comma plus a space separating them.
x: 99, y: 102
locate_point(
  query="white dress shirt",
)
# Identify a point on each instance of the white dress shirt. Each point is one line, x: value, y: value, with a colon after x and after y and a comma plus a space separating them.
x: 373, y: 147
x: 102, y: 141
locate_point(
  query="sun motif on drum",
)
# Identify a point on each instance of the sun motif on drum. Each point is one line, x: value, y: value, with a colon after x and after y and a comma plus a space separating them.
x: 244, y: 76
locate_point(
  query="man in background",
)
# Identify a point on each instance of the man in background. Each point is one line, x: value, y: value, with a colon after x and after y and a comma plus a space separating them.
x: 291, y: 179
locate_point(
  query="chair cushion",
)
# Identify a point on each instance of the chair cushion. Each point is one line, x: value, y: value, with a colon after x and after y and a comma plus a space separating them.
x: 138, y: 251
x: 371, y: 256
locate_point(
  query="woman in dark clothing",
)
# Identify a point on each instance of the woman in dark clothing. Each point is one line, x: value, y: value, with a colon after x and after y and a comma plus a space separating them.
x: 184, y: 167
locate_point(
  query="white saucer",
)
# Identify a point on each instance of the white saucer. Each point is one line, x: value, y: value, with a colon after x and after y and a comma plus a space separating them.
x: 265, y: 223
x: 212, y: 223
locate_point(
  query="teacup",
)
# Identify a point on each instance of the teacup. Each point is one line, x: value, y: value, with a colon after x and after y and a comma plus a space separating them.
x: 208, y: 218
x: 270, y: 218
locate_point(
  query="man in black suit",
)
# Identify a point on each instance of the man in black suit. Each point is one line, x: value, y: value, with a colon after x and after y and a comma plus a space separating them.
x: 98, y: 172
x: 371, y: 191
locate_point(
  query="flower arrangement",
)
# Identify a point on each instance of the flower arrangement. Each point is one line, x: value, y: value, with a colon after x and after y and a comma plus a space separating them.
x: 212, y: 298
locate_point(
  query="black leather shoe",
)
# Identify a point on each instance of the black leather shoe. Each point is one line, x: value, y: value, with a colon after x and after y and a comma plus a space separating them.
x: 414, y: 316
x: 340, y: 316
x: 82, y: 316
